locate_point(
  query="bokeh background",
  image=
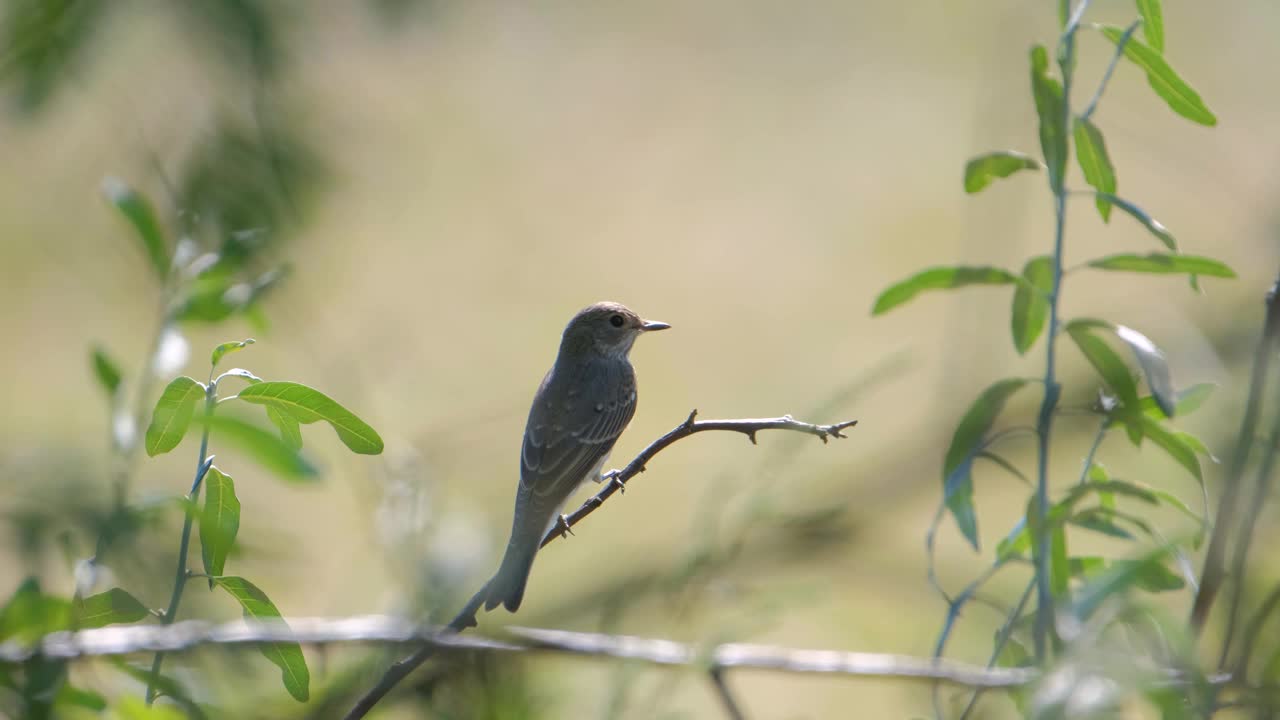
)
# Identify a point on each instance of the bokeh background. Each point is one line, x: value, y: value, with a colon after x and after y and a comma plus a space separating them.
x: 450, y: 182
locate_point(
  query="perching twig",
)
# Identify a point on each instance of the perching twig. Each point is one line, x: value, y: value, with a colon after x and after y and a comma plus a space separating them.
x: 617, y: 481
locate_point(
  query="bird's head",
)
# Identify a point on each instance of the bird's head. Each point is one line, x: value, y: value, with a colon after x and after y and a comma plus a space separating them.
x: 608, y: 328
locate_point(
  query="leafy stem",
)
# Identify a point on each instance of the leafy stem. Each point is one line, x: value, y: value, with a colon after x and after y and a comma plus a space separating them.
x: 203, y: 463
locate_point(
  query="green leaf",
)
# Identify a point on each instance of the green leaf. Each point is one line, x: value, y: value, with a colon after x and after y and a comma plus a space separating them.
x: 939, y: 278
x: 172, y: 415
x: 107, y: 372
x: 308, y: 405
x: 1091, y: 154
x: 290, y: 431
x: 1164, y: 263
x: 166, y: 685
x: 1059, y: 564
x: 1151, y: 224
x: 1031, y: 302
x: 226, y: 348
x: 1173, y: 89
x: 1016, y: 544
x: 1100, y: 520
x: 1152, y: 23
x: 1186, y: 401
x: 138, y: 212
x: 1176, y: 447
x: 287, y: 655
x: 71, y: 696
x: 981, y: 171
x: 242, y: 373
x: 263, y: 446
x: 29, y: 613
x: 966, y: 443
x: 108, y: 608
x: 1154, y: 366
x: 1051, y: 109
x: 1148, y: 572
x: 1105, y: 360
x: 219, y: 521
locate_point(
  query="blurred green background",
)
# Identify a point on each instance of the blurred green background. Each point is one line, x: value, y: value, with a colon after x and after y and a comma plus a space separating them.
x: 450, y: 182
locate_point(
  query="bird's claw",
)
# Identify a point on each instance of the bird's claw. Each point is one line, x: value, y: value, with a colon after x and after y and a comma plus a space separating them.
x: 562, y: 526
x: 613, y: 479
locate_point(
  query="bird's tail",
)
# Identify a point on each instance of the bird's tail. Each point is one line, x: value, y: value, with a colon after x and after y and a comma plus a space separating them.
x: 507, y: 587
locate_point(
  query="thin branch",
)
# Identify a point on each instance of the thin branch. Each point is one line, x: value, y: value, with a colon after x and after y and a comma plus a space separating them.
x: 1111, y: 68
x: 731, y: 707
x: 617, y: 481
x: 1212, y: 576
x: 193, y: 634
x: 180, y: 575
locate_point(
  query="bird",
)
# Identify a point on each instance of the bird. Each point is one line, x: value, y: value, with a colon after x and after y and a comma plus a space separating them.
x: 584, y: 403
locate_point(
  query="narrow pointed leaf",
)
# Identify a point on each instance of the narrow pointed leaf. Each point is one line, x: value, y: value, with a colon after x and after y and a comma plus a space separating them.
x: 287, y: 655
x: 261, y: 445
x: 1047, y: 92
x: 1151, y: 224
x: 981, y: 171
x: 290, y: 431
x: 138, y: 212
x: 939, y: 278
x: 226, y: 348
x: 172, y: 415
x: 1164, y: 263
x: 219, y: 521
x: 1091, y: 154
x: 308, y: 405
x: 966, y: 443
x: 1152, y: 23
x: 1180, y: 97
x: 1152, y: 361
x: 107, y: 608
x: 1187, y: 401
x: 1105, y: 360
x: 107, y: 372
x: 1154, y: 367
x: 1176, y: 447
x: 1119, y: 578
x: 242, y: 373
x: 1031, y: 303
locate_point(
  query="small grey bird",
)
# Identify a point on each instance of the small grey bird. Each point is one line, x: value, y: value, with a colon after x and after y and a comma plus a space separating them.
x: 582, y: 406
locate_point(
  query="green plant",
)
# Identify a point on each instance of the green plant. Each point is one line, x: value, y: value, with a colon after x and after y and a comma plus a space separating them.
x: 1095, y: 501
x: 195, y: 287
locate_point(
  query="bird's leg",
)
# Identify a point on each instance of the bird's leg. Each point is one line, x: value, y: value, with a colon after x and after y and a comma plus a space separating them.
x: 612, y: 477
x: 562, y: 526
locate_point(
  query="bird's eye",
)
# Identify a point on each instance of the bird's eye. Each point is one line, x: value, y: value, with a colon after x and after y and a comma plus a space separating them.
x: 616, y: 321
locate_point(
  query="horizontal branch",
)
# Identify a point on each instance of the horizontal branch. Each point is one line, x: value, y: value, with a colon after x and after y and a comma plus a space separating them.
x: 466, y: 617
x: 192, y: 634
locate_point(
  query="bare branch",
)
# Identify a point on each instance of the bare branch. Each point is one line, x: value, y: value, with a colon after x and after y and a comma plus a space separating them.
x: 192, y: 634
x: 617, y: 481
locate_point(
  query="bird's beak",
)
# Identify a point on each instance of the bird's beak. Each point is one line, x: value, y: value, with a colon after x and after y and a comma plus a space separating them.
x: 653, y: 325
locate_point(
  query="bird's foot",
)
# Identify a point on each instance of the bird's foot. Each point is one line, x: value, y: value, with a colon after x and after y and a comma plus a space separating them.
x: 563, y: 529
x: 613, y: 479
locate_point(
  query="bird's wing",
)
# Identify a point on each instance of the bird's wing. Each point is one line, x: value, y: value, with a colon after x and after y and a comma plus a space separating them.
x: 562, y: 444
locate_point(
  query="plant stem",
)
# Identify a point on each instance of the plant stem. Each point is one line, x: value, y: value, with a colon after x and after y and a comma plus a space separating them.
x: 1103, y: 427
x: 1052, y: 390
x: 180, y: 575
x: 1111, y: 68
x: 1212, y: 577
